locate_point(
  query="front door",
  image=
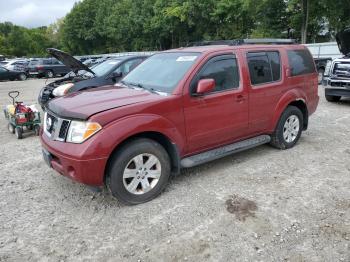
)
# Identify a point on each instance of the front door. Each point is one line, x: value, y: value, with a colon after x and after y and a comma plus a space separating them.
x: 4, y: 73
x: 218, y: 117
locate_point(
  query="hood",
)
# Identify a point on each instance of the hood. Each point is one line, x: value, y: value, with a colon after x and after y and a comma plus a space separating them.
x: 82, y: 105
x: 343, y: 40
x: 68, y: 60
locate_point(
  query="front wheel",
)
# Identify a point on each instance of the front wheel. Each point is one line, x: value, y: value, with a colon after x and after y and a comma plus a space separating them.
x: 333, y: 98
x: 138, y: 172
x: 289, y: 128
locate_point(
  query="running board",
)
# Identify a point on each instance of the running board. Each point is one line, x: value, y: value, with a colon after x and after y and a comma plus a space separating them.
x: 224, y: 151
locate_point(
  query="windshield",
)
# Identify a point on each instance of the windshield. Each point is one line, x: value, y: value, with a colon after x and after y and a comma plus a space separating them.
x: 161, y: 72
x: 105, y: 67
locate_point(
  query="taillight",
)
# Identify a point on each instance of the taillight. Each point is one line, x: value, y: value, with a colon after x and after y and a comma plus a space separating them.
x: 39, y: 67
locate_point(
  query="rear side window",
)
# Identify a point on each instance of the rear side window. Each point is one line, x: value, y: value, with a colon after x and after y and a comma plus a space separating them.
x: 264, y: 67
x: 223, y: 69
x: 47, y: 61
x: 301, y: 62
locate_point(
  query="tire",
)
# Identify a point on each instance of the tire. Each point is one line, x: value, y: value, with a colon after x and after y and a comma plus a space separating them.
x: 332, y: 98
x: 287, y: 126
x: 320, y: 75
x: 126, y: 184
x: 22, y: 77
x: 11, y: 128
x: 49, y: 74
x: 19, y: 132
x: 37, y: 130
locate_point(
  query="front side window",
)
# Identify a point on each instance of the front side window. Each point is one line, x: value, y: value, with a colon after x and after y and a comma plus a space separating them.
x: 223, y: 69
x: 105, y: 67
x: 264, y: 67
x: 301, y: 62
x: 162, y: 72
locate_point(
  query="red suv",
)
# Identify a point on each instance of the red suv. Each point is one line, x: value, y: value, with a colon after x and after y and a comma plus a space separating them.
x: 178, y: 109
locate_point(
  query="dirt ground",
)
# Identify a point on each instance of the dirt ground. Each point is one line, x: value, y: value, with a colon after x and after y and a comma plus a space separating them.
x: 259, y: 205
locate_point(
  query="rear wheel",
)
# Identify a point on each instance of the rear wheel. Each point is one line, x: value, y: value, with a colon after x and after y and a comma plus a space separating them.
x: 19, y: 132
x: 138, y: 172
x: 289, y: 128
x: 22, y: 77
x: 49, y: 74
x: 333, y: 98
x: 11, y: 128
x: 36, y: 130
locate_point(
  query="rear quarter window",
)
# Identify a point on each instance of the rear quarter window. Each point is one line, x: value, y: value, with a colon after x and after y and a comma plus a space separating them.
x: 301, y: 62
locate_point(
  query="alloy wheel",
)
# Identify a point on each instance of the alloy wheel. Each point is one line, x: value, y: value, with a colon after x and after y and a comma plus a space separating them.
x: 142, y: 174
x: 291, y: 128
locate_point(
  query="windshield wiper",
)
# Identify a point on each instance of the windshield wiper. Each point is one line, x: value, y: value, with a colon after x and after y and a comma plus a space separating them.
x: 139, y: 85
x: 127, y: 84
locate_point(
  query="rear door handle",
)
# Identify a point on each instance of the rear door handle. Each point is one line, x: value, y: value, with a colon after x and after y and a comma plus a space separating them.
x: 240, y: 98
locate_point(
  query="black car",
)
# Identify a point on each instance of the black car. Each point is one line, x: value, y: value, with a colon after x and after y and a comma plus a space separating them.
x: 82, y: 77
x: 47, y: 67
x: 6, y: 74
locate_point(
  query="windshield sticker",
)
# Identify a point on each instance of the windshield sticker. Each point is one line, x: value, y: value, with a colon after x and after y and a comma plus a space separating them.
x: 186, y: 58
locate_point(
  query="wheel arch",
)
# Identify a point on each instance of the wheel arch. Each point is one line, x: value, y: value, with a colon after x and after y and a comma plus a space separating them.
x: 303, y: 108
x: 162, y: 139
x: 292, y: 98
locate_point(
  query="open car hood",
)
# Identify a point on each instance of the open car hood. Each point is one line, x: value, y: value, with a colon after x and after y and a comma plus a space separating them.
x: 68, y: 60
x: 343, y: 40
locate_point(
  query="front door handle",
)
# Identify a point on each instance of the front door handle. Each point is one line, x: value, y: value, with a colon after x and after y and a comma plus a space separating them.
x: 240, y: 98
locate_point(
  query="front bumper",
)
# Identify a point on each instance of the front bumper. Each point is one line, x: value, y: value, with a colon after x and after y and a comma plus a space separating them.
x: 336, y: 87
x: 69, y: 160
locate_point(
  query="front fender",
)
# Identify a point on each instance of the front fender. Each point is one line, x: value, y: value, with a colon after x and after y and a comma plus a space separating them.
x: 124, y: 128
x: 285, y: 100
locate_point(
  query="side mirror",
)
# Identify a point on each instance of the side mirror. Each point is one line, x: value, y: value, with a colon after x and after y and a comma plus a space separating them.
x: 205, y: 86
x: 115, y: 75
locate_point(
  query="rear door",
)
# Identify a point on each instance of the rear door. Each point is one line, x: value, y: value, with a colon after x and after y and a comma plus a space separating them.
x: 219, y: 117
x: 265, y: 87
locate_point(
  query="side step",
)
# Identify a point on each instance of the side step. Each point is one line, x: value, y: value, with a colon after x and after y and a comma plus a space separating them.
x: 224, y: 151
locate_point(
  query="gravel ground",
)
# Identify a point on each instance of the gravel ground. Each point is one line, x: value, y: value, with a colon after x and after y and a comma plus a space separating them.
x: 259, y: 205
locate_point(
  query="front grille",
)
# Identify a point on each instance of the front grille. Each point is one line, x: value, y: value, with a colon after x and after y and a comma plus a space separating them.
x: 64, y: 129
x: 55, y: 127
x: 340, y: 84
x: 341, y: 69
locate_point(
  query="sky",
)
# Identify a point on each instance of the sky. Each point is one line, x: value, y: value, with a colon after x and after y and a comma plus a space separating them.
x: 34, y: 13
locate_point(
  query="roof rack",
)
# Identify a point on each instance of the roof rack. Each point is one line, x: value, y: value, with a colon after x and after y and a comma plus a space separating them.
x: 235, y: 42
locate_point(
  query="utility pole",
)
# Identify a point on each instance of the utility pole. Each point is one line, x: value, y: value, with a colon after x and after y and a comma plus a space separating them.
x: 305, y: 17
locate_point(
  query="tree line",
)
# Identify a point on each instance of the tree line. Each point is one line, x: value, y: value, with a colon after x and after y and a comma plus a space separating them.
x: 104, y: 26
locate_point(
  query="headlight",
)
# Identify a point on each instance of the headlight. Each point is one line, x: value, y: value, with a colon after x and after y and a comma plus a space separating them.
x: 79, y: 131
x: 62, y: 90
